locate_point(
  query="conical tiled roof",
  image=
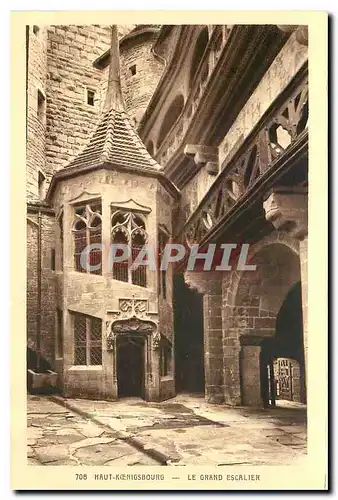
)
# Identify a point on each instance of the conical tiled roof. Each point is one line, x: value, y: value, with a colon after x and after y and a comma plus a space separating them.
x: 115, y: 141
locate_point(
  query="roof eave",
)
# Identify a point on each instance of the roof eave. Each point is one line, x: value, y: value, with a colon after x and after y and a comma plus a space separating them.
x: 76, y: 171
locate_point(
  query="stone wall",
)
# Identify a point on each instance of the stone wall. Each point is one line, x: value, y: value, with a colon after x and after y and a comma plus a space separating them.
x: 70, y: 119
x: 48, y: 288
x: 137, y: 89
x: 71, y: 51
x: 36, y: 122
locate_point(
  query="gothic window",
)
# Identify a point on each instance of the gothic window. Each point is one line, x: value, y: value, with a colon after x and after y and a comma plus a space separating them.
x: 87, y: 229
x: 87, y: 340
x: 165, y: 358
x: 129, y: 228
x: 163, y: 239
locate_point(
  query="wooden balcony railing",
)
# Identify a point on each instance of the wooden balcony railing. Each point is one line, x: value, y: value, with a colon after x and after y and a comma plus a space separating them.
x: 174, y: 139
x: 278, y: 131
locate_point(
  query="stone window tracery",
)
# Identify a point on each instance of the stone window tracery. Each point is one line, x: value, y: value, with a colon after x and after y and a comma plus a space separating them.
x: 87, y: 229
x: 129, y: 228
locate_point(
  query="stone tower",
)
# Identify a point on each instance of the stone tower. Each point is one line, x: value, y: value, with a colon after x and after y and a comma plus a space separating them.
x: 141, y: 69
x: 114, y: 323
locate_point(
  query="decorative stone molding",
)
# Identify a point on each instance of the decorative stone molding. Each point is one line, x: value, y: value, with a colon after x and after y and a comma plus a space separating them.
x: 84, y: 195
x: 204, y: 155
x: 156, y: 340
x: 132, y: 316
x: 131, y: 205
x: 288, y: 212
x: 205, y: 282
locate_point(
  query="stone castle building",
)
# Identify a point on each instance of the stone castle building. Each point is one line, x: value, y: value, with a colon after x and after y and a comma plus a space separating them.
x: 154, y: 134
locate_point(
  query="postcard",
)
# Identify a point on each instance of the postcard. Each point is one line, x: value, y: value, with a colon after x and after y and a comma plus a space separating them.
x: 169, y: 308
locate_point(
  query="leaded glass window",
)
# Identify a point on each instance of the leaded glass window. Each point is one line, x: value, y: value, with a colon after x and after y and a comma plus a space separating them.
x: 87, y: 229
x: 87, y: 340
x: 129, y: 228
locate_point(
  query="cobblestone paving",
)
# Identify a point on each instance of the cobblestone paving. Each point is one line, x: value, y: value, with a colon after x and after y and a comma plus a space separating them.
x: 185, y: 430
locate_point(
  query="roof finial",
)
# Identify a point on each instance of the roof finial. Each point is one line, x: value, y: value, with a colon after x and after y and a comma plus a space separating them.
x: 114, y: 99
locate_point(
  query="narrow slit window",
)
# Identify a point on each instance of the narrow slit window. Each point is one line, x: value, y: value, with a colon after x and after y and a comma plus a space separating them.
x: 163, y: 240
x: 41, y: 106
x: 52, y: 259
x: 41, y: 185
x: 132, y: 70
x: 90, y: 97
x: 59, y: 338
x: 36, y: 30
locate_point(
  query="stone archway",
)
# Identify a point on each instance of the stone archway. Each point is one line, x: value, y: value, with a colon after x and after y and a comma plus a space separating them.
x: 250, y: 319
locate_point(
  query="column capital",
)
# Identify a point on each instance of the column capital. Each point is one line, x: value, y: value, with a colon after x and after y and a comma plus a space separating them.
x: 205, y: 282
x: 288, y: 212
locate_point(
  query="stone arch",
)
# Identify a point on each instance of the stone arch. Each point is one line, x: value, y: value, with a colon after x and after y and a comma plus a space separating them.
x: 199, y: 49
x: 231, y: 280
x: 173, y: 113
x: 251, y: 303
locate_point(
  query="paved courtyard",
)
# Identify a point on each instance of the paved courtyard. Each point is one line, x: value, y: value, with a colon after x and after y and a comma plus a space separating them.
x: 182, y: 431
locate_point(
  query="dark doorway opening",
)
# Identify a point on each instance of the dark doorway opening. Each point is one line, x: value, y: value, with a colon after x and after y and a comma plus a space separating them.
x: 282, y: 357
x: 189, y: 338
x: 130, y: 366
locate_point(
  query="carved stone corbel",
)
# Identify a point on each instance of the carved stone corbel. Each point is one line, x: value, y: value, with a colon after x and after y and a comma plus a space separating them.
x: 288, y: 212
x: 204, y: 155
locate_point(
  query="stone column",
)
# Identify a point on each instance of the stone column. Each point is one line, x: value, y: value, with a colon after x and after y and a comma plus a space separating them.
x: 288, y: 211
x: 210, y: 285
x: 250, y: 369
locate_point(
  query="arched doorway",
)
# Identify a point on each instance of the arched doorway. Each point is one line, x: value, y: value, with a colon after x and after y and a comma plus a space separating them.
x: 130, y: 366
x: 269, y: 317
x: 282, y: 357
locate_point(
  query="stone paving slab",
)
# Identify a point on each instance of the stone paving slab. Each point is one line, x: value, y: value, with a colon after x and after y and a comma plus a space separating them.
x: 185, y: 430
x: 57, y: 436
